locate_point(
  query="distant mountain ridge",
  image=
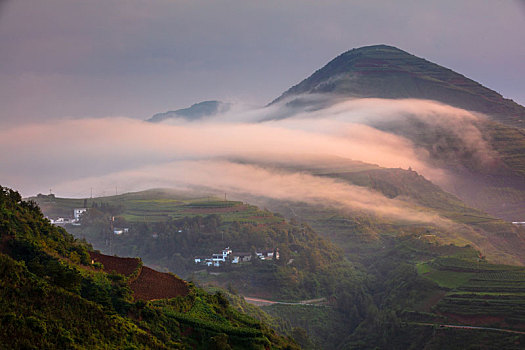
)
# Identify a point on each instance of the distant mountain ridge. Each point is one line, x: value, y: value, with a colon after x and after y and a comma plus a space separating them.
x: 383, y: 71
x: 195, y: 111
x: 56, y: 293
x: 386, y: 72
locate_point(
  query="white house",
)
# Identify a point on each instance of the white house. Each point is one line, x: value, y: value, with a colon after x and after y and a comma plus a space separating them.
x: 60, y: 221
x: 268, y: 254
x: 119, y: 231
x: 241, y: 257
x: 226, y: 251
x: 218, y: 258
x: 78, y: 212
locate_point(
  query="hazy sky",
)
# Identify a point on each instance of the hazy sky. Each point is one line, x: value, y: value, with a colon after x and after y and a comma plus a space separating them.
x: 134, y: 58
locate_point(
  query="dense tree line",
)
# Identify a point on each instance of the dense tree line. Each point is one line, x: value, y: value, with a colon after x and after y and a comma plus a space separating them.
x: 371, y: 300
x: 51, y: 296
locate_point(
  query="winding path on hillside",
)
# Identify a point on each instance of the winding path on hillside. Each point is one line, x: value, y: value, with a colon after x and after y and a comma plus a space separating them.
x: 266, y: 302
x: 469, y: 327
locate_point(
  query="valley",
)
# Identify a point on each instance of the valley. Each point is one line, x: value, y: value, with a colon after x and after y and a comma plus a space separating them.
x: 377, y: 204
x: 58, y: 292
x: 355, y: 265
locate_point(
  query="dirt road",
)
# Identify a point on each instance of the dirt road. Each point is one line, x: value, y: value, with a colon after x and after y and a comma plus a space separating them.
x: 265, y: 302
x: 470, y: 327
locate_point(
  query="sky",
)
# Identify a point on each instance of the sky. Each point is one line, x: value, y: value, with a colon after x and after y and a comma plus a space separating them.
x: 78, y: 79
x: 240, y: 152
x: 64, y: 59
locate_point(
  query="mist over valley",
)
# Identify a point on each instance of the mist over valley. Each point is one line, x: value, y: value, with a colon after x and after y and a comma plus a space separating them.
x: 379, y: 203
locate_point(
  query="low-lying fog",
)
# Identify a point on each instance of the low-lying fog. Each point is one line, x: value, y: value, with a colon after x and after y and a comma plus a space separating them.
x: 231, y: 152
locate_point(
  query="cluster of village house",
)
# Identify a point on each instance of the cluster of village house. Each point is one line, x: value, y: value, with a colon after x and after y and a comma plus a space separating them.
x: 217, y: 259
x: 74, y: 221
x: 228, y: 256
x: 77, y: 212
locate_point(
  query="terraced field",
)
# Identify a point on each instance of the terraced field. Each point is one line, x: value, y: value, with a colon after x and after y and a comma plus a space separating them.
x: 479, y: 293
x: 160, y: 206
x: 158, y: 211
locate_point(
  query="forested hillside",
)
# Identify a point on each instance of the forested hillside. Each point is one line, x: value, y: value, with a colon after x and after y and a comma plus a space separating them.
x: 388, y: 72
x: 480, y: 146
x: 53, y: 294
x: 382, y: 284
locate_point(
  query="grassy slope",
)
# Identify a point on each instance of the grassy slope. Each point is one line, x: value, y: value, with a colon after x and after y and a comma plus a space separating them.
x: 38, y: 315
x: 479, y: 293
x: 158, y: 206
x: 51, y: 297
x: 387, y: 72
x: 497, y: 187
x: 500, y: 241
x: 377, y: 246
x: 504, y: 193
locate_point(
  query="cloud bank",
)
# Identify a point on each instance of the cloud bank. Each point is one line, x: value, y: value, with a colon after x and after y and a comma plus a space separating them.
x: 134, y: 54
x: 254, y: 152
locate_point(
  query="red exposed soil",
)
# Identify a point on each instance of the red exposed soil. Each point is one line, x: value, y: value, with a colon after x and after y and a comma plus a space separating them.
x: 123, y: 266
x: 149, y: 284
x: 152, y: 285
x: 485, y: 321
x: 476, y: 320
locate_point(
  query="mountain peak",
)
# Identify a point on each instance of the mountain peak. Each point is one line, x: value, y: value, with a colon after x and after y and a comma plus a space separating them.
x: 195, y: 111
x: 383, y: 71
x: 378, y: 47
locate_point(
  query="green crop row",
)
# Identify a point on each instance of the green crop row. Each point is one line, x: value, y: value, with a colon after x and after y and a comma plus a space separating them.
x: 474, y: 265
x: 502, y: 276
x: 217, y: 327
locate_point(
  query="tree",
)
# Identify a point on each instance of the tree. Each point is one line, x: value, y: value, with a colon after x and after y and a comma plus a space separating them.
x: 220, y: 342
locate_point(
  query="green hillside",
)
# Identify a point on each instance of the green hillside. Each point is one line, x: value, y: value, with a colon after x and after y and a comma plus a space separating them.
x: 479, y: 292
x: 500, y: 241
x: 53, y: 296
x: 388, y: 72
x: 158, y: 205
x: 194, y: 112
x: 376, y: 276
x: 496, y: 186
